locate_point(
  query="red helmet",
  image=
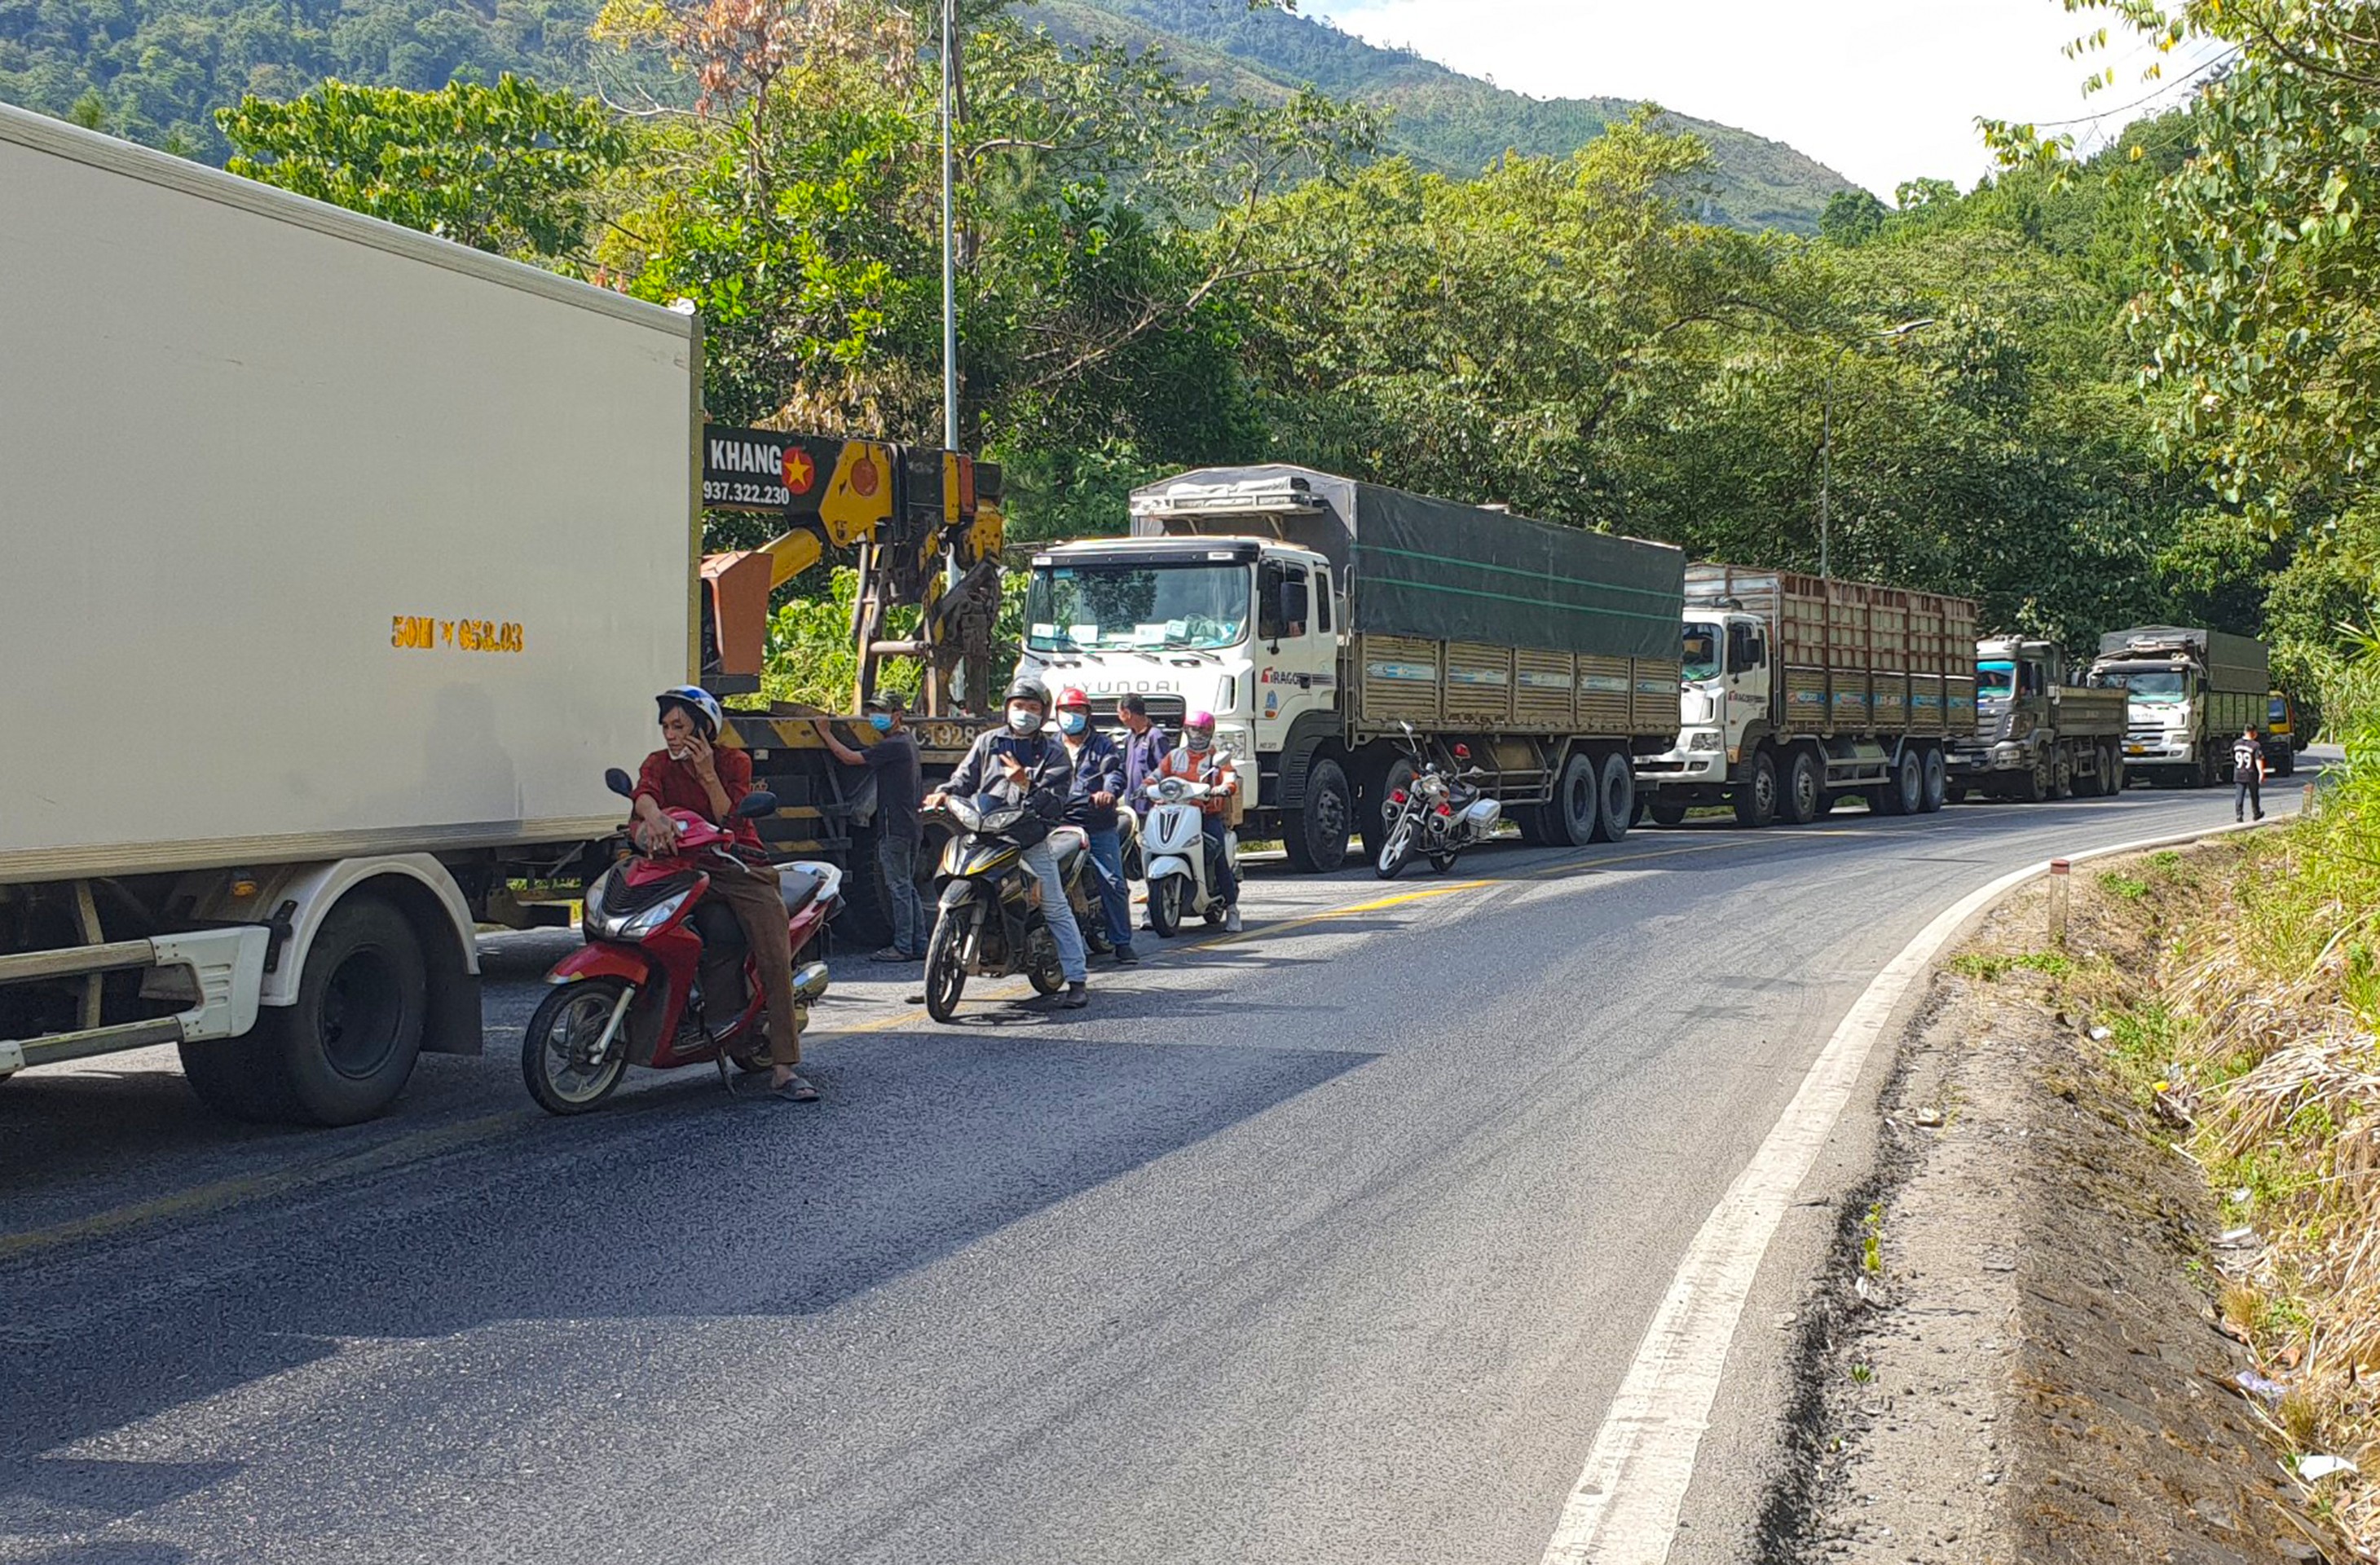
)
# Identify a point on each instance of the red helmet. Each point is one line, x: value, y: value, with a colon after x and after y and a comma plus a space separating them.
x: 1073, y: 697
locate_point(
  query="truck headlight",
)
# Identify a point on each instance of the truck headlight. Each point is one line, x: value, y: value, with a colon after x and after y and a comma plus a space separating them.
x: 1706, y: 740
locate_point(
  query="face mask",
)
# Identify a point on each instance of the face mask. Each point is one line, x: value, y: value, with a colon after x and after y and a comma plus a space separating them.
x: 880, y: 721
x: 1199, y: 741
x: 1023, y: 719
x: 1073, y: 723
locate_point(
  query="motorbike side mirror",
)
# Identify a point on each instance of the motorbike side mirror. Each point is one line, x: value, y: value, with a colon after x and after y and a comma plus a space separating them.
x: 1462, y: 752
x: 756, y: 803
x: 620, y: 783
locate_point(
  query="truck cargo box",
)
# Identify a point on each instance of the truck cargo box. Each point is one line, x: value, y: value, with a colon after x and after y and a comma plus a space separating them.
x: 322, y: 537
x: 1855, y: 658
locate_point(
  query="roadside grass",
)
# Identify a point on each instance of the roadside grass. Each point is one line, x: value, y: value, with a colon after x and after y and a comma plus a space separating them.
x: 2252, y: 1042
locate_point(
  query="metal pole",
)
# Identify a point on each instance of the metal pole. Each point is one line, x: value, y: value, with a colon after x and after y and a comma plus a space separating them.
x: 950, y: 258
x: 1827, y: 464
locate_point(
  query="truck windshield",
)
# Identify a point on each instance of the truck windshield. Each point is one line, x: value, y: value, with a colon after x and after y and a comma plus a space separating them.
x: 1994, y: 679
x: 1700, y: 658
x: 1193, y: 605
x: 2278, y: 711
x: 2153, y: 687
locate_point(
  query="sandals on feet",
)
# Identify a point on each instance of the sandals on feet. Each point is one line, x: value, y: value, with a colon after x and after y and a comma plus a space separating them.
x: 794, y: 1090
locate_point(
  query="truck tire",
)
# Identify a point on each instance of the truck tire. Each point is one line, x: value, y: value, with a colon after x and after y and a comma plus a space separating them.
x: 1615, y: 796
x: 867, y: 916
x: 1315, y: 834
x: 2112, y: 758
x: 1534, y: 821
x: 2285, y: 766
x: 1397, y: 773
x: 1904, y: 792
x: 1934, y: 784
x: 1667, y: 812
x: 342, y: 1052
x: 1574, y: 809
x: 1806, y: 788
x: 1755, y: 798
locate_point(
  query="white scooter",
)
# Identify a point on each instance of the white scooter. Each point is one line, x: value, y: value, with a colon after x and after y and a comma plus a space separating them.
x: 1173, y: 838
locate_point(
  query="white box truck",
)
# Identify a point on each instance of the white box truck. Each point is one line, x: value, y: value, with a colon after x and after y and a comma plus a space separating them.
x: 336, y: 564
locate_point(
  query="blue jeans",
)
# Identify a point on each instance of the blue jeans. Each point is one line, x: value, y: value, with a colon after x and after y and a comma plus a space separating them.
x: 1226, y: 885
x: 1041, y: 862
x: 897, y: 859
x: 1116, y: 895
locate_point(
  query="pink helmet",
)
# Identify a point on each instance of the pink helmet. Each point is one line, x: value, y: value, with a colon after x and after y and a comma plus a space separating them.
x: 1200, y: 720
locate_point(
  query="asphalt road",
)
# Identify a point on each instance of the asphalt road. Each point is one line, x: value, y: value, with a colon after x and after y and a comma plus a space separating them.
x: 1329, y: 1242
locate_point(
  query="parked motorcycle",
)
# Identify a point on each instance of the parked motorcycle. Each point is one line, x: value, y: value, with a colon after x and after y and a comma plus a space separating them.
x: 1181, y: 879
x: 1438, y: 813
x: 658, y: 983
x: 987, y: 921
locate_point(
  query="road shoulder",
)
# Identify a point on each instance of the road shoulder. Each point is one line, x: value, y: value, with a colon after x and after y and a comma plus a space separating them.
x: 2009, y: 1356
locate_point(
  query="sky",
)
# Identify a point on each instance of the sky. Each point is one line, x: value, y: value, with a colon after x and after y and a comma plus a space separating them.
x: 1881, y: 91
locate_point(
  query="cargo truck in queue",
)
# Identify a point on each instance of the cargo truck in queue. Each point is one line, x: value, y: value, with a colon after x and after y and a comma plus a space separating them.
x: 2038, y: 734
x: 316, y: 663
x: 1797, y: 691
x: 1316, y: 616
x: 2188, y: 692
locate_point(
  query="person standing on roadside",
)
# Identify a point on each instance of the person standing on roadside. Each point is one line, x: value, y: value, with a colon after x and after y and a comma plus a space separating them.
x: 893, y: 761
x: 1091, y: 805
x: 2247, y: 775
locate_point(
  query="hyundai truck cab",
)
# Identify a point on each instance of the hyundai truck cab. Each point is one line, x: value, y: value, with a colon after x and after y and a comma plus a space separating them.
x: 2161, y: 725
x: 1242, y: 627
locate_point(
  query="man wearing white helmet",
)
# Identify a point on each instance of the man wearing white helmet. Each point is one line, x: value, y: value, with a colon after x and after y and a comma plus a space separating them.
x: 1197, y: 759
x: 690, y: 772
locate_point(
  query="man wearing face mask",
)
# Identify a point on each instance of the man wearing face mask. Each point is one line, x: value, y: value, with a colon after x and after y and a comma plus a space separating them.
x: 1199, y: 760
x: 1024, y: 765
x: 893, y: 760
x: 1091, y: 805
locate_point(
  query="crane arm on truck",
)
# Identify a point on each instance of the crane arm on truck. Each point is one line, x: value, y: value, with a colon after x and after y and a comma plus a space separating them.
x: 912, y: 514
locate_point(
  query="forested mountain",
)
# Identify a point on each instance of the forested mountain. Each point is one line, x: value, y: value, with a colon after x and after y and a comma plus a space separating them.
x: 1444, y: 121
x: 155, y: 70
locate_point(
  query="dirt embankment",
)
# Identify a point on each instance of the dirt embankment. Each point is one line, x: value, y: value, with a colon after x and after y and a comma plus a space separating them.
x: 2017, y: 1355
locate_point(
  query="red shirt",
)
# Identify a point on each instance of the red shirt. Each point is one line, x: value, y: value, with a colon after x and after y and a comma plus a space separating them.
x: 672, y: 785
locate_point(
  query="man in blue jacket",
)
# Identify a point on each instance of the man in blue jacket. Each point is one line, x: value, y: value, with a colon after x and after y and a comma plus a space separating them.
x: 1024, y: 765
x: 1091, y: 805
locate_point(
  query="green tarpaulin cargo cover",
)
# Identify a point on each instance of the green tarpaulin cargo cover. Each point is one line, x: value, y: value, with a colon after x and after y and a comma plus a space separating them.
x: 1414, y: 565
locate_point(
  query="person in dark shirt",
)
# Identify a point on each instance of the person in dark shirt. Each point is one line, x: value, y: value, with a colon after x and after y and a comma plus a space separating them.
x: 2248, y: 775
x: 1023, y: 764
x: 1144, y: 744
x: 892, y: 761
x: 692, y: 771
x: 1091, y: 805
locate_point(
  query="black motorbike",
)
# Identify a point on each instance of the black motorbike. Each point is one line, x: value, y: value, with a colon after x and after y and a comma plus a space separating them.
x: 988, y: 919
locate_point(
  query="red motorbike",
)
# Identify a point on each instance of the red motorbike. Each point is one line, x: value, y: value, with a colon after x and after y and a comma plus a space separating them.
x: 666, y: 978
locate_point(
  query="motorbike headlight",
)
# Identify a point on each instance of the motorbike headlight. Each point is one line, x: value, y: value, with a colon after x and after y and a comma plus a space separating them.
x: 1001, y: 819
x: 1170, y: 789
x: 637, y: 926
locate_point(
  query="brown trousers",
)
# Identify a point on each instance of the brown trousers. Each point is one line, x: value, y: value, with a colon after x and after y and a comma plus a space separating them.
x: 759, y: 907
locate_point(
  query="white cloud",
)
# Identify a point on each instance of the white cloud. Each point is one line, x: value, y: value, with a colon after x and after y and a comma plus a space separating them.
x: 1882, y: 90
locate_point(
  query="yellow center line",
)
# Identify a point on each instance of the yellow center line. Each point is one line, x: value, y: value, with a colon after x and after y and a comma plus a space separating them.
x: 1282, y: 927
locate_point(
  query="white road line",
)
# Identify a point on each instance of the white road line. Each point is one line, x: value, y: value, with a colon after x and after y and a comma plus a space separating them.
x: 1624, y: 1510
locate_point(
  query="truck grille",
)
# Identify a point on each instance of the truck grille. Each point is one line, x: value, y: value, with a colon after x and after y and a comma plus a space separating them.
x: 1166, y: 712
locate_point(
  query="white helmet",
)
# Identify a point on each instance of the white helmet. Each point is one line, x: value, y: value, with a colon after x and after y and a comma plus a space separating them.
x: 704, y: 705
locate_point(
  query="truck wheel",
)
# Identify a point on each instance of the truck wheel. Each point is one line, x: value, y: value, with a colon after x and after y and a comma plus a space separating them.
x: 1904, y: 791
x: 1805, y: 786
x: 1574, y: 809
x: 1934, y: 783
x: 342, y: 1052
x: 2112, y: 758
x: 867, y: 916
x: 1378, y: 813
x: 2286, y: 765
x: 1615, y: 796
x: 1533, y: 822
x: 1317, y: 834
x: 1667, y: 812
x: 1755, y: 800
x: 1956, y: 794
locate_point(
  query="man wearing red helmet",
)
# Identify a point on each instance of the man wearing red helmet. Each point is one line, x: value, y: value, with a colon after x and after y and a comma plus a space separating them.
x: 1091, y: 805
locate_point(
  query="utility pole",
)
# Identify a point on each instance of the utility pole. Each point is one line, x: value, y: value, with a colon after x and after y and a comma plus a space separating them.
x: 1827, y: 436
x: 949, y: 255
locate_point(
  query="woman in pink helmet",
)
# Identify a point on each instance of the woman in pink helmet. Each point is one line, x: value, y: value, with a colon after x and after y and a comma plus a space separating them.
x: 1197, y: 759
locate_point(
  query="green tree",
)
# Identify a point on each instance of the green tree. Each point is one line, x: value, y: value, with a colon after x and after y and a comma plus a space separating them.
x: 508, y: 168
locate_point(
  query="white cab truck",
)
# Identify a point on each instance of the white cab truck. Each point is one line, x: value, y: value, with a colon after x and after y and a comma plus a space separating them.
x: 340, y: 562
x: 1314, y: 615
x: 1797, y: 691
x: 2188, y: 693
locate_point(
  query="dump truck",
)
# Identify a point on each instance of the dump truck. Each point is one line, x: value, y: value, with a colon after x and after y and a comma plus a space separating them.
x: 1798, y: 691
x: 2188, y: 692
x: 1317, y: 616
x: 2038, y: 736
x: 316, y: 663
